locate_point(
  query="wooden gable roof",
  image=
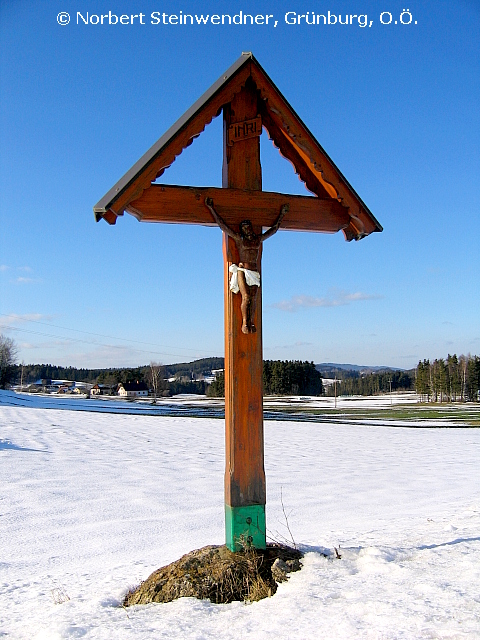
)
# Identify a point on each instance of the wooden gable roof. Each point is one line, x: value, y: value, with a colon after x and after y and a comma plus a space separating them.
x: 337, y: 205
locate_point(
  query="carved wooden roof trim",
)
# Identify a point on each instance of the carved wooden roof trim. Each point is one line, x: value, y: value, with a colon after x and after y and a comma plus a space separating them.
x: 299, y: 165
x: 287, y: 131
x: 181, y: 135
x: 313, y: 165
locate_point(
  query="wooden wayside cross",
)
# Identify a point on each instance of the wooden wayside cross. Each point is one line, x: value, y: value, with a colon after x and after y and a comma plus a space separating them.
x: 249, y: 101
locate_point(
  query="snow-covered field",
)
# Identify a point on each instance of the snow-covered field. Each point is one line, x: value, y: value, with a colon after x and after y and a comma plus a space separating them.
x: 91, y: 503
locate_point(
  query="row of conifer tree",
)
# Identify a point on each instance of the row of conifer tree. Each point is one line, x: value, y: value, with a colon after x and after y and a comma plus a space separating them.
x: 353, y: 383
x: 281, y: 377
x: 451, y: 380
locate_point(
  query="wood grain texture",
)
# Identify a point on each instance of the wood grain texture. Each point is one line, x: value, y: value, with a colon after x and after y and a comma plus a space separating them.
x: 244, y: 461
x: 186, y: 205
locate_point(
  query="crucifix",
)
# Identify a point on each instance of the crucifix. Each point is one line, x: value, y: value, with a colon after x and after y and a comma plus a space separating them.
x: 245, y: 275
x: 249, y: 102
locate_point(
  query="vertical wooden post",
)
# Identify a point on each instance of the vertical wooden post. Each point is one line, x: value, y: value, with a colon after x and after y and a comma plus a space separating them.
x: 245, y: 493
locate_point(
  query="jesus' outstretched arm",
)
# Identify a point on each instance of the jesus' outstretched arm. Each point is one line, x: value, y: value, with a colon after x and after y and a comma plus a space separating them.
x: 221, y: 223
x: 285, y: 208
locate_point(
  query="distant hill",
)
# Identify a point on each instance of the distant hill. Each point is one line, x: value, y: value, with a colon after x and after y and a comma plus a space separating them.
x: 193, y: 369
x: 361, y: 380
x: 329, y: 369
x: 203, y: 366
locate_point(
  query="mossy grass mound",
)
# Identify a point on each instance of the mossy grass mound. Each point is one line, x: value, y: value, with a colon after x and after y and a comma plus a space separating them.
x: 217, y: 574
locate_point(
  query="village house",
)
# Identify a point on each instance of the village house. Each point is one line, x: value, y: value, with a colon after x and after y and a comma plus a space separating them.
x: 102, y: 390
x: 132, y: 389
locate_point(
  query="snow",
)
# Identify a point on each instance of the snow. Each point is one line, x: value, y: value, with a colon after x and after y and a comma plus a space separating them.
x: 91, y: 503
x: 201, y: 406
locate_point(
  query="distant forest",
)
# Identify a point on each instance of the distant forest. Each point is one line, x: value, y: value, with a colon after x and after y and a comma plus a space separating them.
x: 289, y: 377
x: 354, y: 383
x: 33, y: 372
x: 182, y: 372
x: 442, y: 380
x: 451, y: 380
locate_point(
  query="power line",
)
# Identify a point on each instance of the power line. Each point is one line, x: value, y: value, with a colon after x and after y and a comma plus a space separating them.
x: 96, y: 342
x: 100, y: 335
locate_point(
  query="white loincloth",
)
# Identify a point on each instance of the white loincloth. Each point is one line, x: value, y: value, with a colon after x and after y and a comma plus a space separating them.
x: 252, y: 278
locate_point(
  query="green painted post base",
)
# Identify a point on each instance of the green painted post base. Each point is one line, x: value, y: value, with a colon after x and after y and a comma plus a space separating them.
x: 245, y: 527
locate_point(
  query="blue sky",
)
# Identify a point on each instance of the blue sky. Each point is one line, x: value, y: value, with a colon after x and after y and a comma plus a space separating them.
x: 395, y: 106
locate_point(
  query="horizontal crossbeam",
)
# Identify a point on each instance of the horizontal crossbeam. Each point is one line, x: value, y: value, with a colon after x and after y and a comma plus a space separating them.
x: 175, y: 204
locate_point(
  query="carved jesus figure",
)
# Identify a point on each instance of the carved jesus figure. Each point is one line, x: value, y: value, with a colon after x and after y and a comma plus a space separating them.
x: 245, y: 276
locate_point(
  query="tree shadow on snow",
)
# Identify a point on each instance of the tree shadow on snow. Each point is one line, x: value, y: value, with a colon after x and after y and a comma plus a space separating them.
x: 447, y: 544
x: 6, y: 444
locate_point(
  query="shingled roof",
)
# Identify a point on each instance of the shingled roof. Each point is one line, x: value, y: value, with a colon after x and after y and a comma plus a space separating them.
x: 287, y: 131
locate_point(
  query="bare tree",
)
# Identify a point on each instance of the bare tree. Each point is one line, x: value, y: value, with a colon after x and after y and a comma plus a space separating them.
x: 8, y: 358
x: 154, y: 378
x: 21, y: 376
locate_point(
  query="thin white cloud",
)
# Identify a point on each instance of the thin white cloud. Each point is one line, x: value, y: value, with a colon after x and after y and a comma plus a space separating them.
x: 336, y: 299
x: 296, y: 344
x: 292, y: 346
x: 15, y: 318
x: 24, y: 280
x: 52, y: 344
x: 106, y: 356
x: 24, y: 269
